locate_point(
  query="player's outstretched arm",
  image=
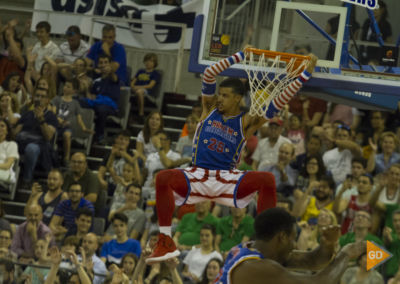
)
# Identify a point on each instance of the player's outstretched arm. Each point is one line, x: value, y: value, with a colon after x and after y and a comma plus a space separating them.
x: 319, y: 257
x: 209, y: 83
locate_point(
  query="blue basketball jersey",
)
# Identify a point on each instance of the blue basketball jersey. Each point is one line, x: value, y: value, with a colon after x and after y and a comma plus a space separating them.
x: 236, y: 256
x: 218, y: 141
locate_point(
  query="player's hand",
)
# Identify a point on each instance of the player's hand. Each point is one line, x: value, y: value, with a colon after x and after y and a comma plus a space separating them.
x: 312, y: 63
x: 354, y: 250
x: 330, y: 235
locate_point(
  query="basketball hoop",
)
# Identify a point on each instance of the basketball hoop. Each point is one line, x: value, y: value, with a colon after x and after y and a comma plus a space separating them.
x: 269, y: 73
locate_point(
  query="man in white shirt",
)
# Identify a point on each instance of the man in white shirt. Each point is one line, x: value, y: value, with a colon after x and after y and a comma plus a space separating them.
x: 266, y: 152
x: 44, y: 47
x: 165, y: 158
x: 285, y: 175
x: 74, y: 47
x: 90, y: 245
x: 338, y: 160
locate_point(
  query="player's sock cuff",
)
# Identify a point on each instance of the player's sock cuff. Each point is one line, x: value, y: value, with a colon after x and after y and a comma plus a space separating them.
x: 272, y: 111
x: 236, y: 58
x: 208, y: 89
x: 305, y: 76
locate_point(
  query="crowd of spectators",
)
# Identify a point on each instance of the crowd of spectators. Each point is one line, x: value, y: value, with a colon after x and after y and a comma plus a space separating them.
x: 330, y: 167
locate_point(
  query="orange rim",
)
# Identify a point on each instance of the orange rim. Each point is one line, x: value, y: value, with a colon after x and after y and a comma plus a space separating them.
x: 271, y: 54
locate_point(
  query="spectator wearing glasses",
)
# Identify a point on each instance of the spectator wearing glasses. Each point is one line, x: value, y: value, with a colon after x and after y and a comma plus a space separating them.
x: 314, y: 169
x: 338, y: 160
x: 80, y: 173
x: 361, y: 230
x: 74, y: 47
x: 67, y: 211
x: 35, y: 131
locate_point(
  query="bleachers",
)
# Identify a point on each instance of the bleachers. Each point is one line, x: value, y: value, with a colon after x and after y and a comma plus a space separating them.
x: 176, y: 108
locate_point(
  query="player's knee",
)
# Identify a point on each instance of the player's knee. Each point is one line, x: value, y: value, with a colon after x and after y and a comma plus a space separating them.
x: 268, y: 180
x: 264, y: 179
x: 165, y: 177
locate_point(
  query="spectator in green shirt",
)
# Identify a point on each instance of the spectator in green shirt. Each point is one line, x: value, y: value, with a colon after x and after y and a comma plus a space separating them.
x: 391, y: 238
x: 188, y: 230
x: 234, y: 229
x: 362, y: 225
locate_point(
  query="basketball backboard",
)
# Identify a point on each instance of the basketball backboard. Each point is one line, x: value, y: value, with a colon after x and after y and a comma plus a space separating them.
x: 297, y: 27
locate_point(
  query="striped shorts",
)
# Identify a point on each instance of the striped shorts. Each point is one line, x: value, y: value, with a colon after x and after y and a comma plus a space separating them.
x: 219, y: 186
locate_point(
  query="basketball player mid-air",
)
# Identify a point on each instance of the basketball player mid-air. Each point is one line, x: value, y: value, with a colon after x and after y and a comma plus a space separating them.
x: 219, y: 139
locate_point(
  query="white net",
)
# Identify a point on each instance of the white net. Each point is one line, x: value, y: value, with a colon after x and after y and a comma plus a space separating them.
x: 268, y: 77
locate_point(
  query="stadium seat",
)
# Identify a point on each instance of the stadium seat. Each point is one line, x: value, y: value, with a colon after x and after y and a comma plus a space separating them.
x: 124, y: 107
x: 8, y: 190
x: 83, y: 140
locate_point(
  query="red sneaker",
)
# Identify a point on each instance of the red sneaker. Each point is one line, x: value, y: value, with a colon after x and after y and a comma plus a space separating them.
x: 165, y: 249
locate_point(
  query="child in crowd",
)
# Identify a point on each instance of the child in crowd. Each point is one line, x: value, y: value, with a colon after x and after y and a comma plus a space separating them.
x: 37, y: 275
x: 115, y: 162
x: 184, y: 145
x: 130, y: 208
x: 128, y: 264
x: 66, y: 109
x: 129, y: 176
x: 145, y: 80
x: 70, y: 243
x: 114, y: 250
x: 197, y: 258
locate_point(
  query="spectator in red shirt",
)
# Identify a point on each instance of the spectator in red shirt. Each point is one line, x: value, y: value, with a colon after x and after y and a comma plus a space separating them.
x: 14, y: 61
x: 310, y: 109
